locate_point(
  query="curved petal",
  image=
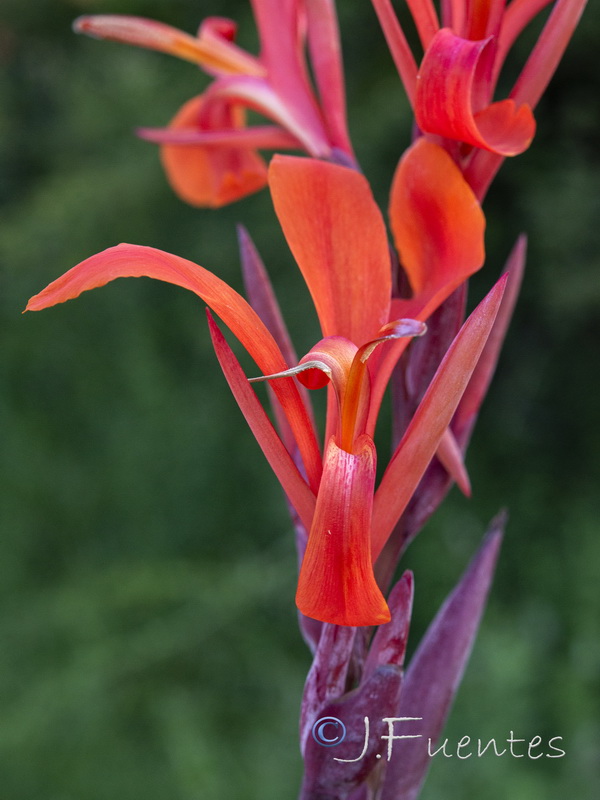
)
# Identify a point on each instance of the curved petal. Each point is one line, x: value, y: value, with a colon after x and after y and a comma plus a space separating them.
x: 214, y: 53
x: 437, y: 223
x: 259, y: 95
x: 212, y: 175
x: 438, y: 229
x: 337, y: 235
x: 336, y: 582
x: 282, y: 32
x: 134, y: 261
x: 295, y: 487
x: 452, y: 97
x: 356, y: 402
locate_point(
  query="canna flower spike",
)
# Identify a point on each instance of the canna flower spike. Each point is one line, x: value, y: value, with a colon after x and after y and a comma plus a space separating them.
x: 209, y: 154
x: 338, y: 237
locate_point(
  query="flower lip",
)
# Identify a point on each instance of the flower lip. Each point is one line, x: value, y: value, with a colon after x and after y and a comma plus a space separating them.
x: 453, y: 97
x: 337, y: 360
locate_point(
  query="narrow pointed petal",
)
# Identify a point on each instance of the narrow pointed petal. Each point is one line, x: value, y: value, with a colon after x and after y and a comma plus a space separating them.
x: 282, y: 27
x: 336, y: 582
x: 436, y: 482
x: 280, y: 461
x: 261, y: 295
x: 431, y: 419
x: 437, y: 666
x: 127, y: 260
x: 398, y: 46
x: 468, y: 408
x: 426, y: 20
x: 548, y: 51
x: 326, y: 60
x: 452, y: 95
x: 337, y: 235
x: 211, y: 175
x: 437, y: 223
x: 451, y: 457
x: 264, y: 137
x: 515, y: 19
x: 531, y: 83
x: 390, y: 640
x: 416, y: 370
x: 213, y: 54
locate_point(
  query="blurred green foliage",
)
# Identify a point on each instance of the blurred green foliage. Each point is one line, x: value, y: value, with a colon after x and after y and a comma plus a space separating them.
x: 149, y: 641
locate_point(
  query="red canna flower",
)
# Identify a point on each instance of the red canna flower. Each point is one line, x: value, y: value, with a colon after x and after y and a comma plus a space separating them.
x: 338, y: 237
x: 209, y: 153
x: 464, y: 52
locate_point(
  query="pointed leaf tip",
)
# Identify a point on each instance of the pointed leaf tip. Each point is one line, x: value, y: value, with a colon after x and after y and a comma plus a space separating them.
x: 390, y: 640
x: 437, y: 666
x: 451, y: 457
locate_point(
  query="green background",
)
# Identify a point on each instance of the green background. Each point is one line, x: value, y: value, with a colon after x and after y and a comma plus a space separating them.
x: 148, y: 639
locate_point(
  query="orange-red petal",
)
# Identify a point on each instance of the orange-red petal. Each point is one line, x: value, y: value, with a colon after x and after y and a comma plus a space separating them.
x: 452, y: 98
x: 437, y: 223
x: 293, y: 484
x: 337, y: 235
x: 211, y: 175
x: 128, y: 260
x: 214, y: 53
x: 438, y: 229
x: 422, y: 438
x: 336, y: 582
